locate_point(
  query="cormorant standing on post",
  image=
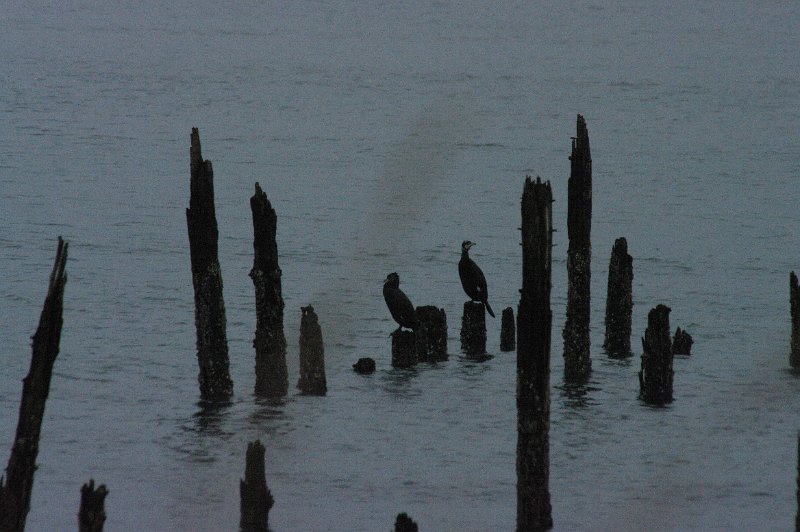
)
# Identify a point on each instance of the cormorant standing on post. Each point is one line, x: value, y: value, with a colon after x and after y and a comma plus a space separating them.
x: 399, y: 305
x: 472, y: 278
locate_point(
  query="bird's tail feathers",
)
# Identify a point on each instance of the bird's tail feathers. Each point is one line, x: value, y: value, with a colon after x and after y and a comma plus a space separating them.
x: 489, y: 309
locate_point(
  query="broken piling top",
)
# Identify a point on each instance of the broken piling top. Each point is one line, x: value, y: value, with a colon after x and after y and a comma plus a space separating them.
x: 579, y: 206
x: 537, y: 251
x: 201, y: 214
x: 92, y: 514
x: 265, y: 223
x: 254, y: 495
x: 619, y: 301
x: 508, y: 331
x: 794, y: 305
x: 656, y: 375
x: 312, y: 354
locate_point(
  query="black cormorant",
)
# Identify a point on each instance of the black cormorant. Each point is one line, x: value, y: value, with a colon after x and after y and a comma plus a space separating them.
x: 399, y: 305
x: 472, y: 278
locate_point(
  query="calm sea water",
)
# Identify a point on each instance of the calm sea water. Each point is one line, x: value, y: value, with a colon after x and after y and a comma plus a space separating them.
x: 384, y: 136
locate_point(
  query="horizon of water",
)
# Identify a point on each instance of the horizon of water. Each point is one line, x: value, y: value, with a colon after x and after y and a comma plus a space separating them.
x: 384, y: 136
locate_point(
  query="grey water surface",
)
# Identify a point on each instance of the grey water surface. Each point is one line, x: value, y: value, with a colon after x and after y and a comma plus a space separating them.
x: 385, y: 134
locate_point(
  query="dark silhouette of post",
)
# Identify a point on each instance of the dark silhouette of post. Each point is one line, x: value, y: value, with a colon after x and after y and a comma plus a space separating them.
x: 364, y: 366
x: 619, y: 302
x: 312, y: 354
x: 272, y: 376
x: 92, y: 513
x: 404, y: 349
x: 404, y: 523
x: 682, y: 342
x: 255, y: 497
x: 209, y: 306
x: 431, y: 334
x: 508, y: 331
x: 797, y: 491
x: 534, y: 321
x: 16, y: 486
x: 473, y: 329
x: 577, y: 361
x: 794, y: 304
x: 655, y: 378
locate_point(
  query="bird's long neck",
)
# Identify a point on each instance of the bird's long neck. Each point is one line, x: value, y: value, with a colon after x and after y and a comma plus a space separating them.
x: 464, y: 254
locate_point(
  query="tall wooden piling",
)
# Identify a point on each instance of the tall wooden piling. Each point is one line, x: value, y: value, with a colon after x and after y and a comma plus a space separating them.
x: 619, y: 302
x: 92, y: 513
x: 272, y: 376
x: 655, y: 378
x: 508, y: 331
x: 312, y: 354
x: 404, y: 349
x: 473, y: 329
x: 17, y: 484
x: 431, y: 334
x: 577, y: 361
x: 255, y: 497
x: 534, y: 321
x: 209, y: 306
x: 794, y: 304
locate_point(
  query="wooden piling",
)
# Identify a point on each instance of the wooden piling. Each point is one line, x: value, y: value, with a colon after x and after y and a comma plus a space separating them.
x: 312, y: 354
x: 255, y: 497
x: 431, y: 334
x: 682, y: 342
x: 508, y: 332
x: 577, y: 361
x: 92, y: 513
x: 17, y: 484
x: 797, y: 491
x: 794, y: 304
x: 404, y: 523
x: 404, y: 349
x: 272, y: 376
x: 473, y: 329
x: 534, y: 321
x: 619, y: 302
x: 209, y: 314
x: 655, y: 378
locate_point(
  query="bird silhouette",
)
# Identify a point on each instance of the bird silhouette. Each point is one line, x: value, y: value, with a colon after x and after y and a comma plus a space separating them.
x: 472, y: 278
x: 399, y: 305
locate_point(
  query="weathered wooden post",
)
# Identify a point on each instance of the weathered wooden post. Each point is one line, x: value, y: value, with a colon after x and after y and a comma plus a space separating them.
x: 255, y: 497
x: 577, y: 361
x: 508, y: 332
x: 473, y: 329
x: 272, y: 377
x: 404, y: 523
x: 312, y: 354
x: 655, y: 378
x: 404, y: 349
x: 534, y: 320
x: 797, y: 491
x: 682, y: 343
x: 794, y: 304
x: 431, y: 334
x: 92, y: 513
x: 619, y: 302
x: 209, y: 306
x: 16, y: 486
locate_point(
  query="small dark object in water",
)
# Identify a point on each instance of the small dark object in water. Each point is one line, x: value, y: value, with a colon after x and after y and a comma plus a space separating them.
x: 405, y: 524
x: 472, y: 279
x: 364, y: 366
x: 682, y: 343
x: 399, y: 305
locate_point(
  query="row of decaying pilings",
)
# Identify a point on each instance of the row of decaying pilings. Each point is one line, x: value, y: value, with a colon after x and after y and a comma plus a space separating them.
x: 210, y: 321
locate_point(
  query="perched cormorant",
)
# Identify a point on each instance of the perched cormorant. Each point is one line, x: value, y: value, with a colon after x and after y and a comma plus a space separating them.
x: 472, y: 278
x: 399, y: 305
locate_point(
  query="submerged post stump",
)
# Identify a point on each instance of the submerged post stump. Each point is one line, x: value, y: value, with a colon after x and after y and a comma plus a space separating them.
x: 364, y: 366
x: 92, y: 513
x: 209, y: 306
x: 794, y: 304
x: 619, y: 302
x: 431, y: 334
x: 655, y: 378
x: 508, y: 332
x: 682, y: 343
x: 312, y: 354
x: 272, y: 377
x: 473, y: 329
x: 534, y: 320
x: 797, y: 491
x: 254, y: 495
x: 404, y: 523
x: 577, y: 361
x: 17, y: 484
x: 404, y: 349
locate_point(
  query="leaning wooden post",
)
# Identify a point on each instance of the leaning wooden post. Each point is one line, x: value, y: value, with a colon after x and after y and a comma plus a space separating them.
x: 577, y: 361
x: 92, y: 513
x: 534, y: 320
x: 272, y: 376
x: 312, y: 354
x: 794, y: 304
x: 473, y: 329
x: 655, y: 378
x: 209, y: 307
x: 619, y: 302
x: 255, y: 497
x: 508, y: 332
x: 16, y: 487
x: 431, y: 334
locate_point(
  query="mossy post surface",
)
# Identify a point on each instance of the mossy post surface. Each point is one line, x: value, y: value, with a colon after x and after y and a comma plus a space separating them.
x: 209, y: 306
